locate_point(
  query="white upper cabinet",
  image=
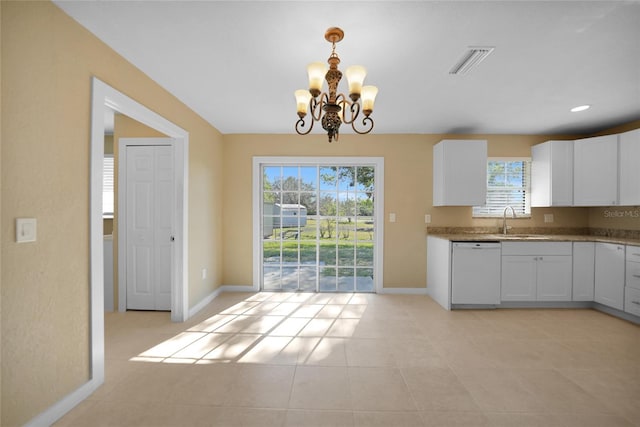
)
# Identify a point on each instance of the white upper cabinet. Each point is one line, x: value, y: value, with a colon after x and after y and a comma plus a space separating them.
x: 552, y: 174
x: 629, y: 168
x: 595, y: 167
x: 460, y: 173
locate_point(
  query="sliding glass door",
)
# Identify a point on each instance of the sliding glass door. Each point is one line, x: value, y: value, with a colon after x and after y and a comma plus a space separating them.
x: 318, y: 227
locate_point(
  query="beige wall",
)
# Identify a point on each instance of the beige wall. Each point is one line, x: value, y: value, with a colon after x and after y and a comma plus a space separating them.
x: 47, y: 64
x: 615, y: 218
x: 408, y: 193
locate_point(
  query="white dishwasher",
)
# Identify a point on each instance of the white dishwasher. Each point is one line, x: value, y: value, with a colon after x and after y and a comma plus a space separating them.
x: 475, y: 273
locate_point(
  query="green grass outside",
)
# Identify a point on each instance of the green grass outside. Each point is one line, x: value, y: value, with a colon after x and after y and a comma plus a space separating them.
x: 329, y: 253
x: 341, y: 243
x: 330, y: 229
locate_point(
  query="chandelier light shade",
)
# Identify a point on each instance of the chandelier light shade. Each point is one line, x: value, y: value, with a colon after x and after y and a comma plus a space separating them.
x: 332, y: 108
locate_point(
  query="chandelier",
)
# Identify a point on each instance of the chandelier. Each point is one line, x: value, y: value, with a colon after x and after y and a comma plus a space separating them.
x: 336, y: 107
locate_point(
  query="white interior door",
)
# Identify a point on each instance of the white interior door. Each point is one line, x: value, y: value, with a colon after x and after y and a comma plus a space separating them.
x: 149, y: 226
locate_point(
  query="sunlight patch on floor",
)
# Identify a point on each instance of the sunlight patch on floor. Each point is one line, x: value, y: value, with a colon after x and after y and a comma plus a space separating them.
x: 271, y: 328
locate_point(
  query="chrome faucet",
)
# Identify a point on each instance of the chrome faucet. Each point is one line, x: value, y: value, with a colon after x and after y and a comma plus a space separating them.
x: 504, y: 218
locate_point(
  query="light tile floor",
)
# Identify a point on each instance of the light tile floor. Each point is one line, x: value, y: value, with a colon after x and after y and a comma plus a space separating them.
x: 292, y: 359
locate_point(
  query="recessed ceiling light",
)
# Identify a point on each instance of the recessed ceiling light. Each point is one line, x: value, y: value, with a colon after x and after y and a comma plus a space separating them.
x: 580, y: 108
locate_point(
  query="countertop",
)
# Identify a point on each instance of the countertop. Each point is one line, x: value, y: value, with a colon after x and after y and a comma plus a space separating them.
x: 493, y: 237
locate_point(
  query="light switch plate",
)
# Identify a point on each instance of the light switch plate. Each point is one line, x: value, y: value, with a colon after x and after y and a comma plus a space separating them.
x: 427, y: 219
x: 25, y: 230
x: 392, y: 217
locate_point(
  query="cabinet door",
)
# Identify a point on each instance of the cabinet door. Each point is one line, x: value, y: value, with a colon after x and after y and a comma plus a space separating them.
x: 552, y: 174
x: 628, y: 168
x: 595, y: 170
x: 609, y: 275
x: 562, y: 173
x: 541, y: 175
x: 460, y: 173
x: 518, y: 278
x: 553, y: 278
x: 583, y: 270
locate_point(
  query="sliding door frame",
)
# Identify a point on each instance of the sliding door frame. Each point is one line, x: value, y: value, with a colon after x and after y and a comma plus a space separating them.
x: 378, y: 206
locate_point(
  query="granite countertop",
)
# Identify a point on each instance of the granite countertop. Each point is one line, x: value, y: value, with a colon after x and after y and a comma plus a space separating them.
x: 533, y: 235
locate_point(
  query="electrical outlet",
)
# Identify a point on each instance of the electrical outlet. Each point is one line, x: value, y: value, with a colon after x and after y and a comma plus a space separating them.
x: 427, y: 219
x: 392, y: 217
x: 204, y: 273
x: 548, y: 217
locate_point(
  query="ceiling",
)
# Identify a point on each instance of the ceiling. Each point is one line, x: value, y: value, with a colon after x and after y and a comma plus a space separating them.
x: 237, y: 63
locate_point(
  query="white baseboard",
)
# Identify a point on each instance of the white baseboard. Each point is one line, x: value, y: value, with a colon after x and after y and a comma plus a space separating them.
x: 213, y: 295
x: 204, y: 302
x: 234, y: 288
x: 404, y: 291
x: 66, y: 404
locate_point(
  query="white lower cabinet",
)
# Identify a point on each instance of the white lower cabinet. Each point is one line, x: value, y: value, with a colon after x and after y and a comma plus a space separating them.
x: 554, y: 278
x: 584, y: 254
x: 632, y: 301
x: 518, y: 278
x: 632, y: 281
x: 536, y: 271
x: 610, y: 275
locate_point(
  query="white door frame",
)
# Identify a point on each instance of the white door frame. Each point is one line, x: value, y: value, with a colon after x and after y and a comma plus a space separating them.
x: 377, y: 162
x: 123, y: 143
x: 104, y: 96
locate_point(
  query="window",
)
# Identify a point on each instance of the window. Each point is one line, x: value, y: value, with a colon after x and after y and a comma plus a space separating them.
x: 107, y: 186
x: 508, y: 184
x: 318, y: 223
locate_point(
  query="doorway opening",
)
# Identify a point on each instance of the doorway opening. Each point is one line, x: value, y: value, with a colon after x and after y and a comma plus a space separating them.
x: 105, y: 97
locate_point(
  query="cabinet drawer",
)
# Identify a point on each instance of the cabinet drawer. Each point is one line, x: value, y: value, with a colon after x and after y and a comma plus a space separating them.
x: 633, y: 253
x: 633, y: 275
x: 537, y: 248
x: 632, y: 301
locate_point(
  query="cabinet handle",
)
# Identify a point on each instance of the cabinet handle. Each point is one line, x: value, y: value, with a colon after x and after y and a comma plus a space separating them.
x: 636, y: 302
x: 636, y: 275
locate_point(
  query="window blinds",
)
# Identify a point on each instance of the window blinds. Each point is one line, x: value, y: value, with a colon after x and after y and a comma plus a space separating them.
x: 508, y: 184
x: 107, y: 185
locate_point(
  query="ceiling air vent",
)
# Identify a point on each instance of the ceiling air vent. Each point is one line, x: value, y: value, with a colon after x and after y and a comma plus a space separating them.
x: 471, y: 58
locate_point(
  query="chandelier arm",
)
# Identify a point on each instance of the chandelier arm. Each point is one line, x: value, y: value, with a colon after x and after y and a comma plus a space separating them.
x: 354, y: 110
x: 367, y: 122
x: 300, y: 124
x: 315, y: 106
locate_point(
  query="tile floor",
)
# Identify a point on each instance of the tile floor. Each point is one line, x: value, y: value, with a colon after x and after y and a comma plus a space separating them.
x: 287, y: 359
